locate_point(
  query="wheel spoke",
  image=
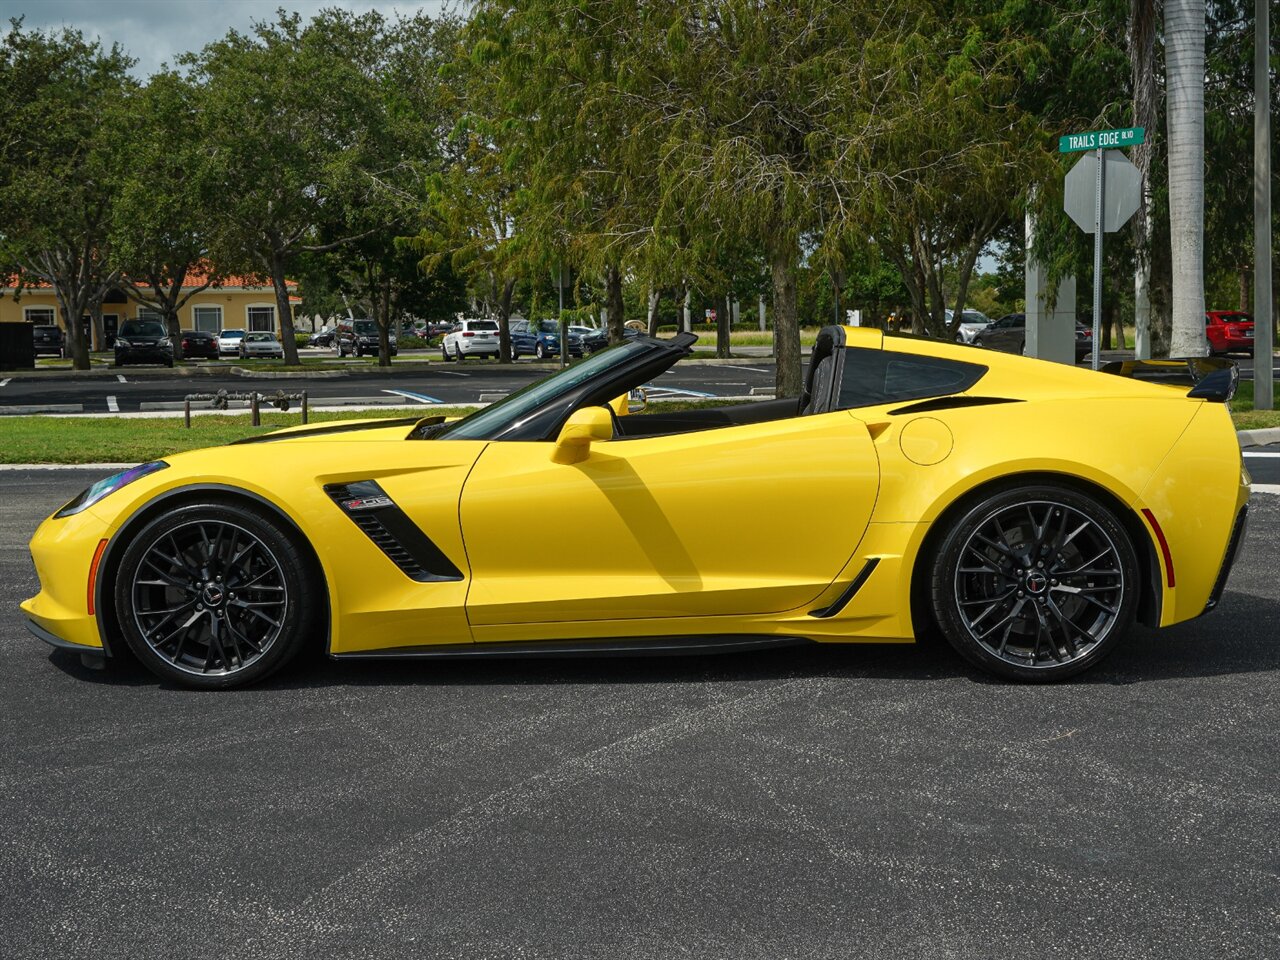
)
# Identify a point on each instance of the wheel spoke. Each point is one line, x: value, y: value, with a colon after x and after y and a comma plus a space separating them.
x: 203, y: 631
x: 1065, y: 605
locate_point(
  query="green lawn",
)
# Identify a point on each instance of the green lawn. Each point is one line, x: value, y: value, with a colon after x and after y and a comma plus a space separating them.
x: 1247, y: 418
x: 135, y: 440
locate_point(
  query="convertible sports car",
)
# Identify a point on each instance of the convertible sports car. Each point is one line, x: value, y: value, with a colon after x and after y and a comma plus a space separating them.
x: 1028, y: 510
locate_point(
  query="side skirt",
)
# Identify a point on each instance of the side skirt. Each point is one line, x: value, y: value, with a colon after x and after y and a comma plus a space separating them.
x: 623, y: 647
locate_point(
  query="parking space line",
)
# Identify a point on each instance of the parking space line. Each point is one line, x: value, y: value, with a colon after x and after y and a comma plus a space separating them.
x: 451, y: 373
x: 754, y: 369
x: 1258, y: 455
x: 112, y: 405
x: 420, y: 397
x: 5, y: 381
x: 1272, y: 488
x: 120, y: 377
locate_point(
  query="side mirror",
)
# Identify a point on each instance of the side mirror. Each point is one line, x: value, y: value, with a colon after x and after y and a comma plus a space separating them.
x: 586, y: 426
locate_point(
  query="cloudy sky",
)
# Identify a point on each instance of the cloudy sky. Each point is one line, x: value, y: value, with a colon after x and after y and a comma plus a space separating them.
x: 156, y: 31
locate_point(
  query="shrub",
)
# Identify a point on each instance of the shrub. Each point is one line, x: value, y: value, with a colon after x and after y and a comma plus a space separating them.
x: 410, y: 342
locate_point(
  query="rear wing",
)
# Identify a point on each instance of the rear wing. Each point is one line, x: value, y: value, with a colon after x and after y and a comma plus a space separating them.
x: 1210, y: 378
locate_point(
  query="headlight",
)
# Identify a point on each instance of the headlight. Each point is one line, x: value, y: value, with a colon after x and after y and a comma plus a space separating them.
x: 110, y: 485
x: 121, y: 343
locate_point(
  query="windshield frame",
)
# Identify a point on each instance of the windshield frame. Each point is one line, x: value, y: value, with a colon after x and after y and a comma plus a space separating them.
x: 539, y: 410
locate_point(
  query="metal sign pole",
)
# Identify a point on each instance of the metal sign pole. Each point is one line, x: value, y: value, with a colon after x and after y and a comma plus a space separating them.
x: 1097, y: 254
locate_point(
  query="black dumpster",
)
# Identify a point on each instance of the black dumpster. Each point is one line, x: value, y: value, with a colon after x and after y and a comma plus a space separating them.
x: 17, y: 347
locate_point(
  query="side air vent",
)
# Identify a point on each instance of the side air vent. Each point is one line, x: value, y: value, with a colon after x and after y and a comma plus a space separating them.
x: 391, y: 530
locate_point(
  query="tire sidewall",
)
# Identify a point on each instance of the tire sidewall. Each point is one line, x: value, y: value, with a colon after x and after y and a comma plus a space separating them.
x: 944, y: 602
x: 300, y: 618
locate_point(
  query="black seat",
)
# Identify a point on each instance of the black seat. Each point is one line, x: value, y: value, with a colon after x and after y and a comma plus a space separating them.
x: 819, y: 399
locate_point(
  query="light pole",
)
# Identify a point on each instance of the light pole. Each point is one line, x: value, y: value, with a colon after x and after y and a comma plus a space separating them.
x: 1263, y: 321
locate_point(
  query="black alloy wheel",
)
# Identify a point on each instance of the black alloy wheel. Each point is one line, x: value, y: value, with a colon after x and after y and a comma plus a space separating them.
x: 215, y: 596
x: 1035, y: 583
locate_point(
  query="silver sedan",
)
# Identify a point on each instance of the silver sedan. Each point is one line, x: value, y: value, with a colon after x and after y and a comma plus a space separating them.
x: 260, y: 344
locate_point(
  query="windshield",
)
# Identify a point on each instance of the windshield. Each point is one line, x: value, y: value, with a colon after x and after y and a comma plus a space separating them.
x: 489, y: 421
x: 260, y: 337
x: 366, y: 328
x: 231, y: 334
x: 548, y: 326
x: 142, y: 328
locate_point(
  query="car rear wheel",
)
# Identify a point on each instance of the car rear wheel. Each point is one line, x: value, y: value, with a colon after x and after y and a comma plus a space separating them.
x: 1035, y: 583
x: 215, y: 596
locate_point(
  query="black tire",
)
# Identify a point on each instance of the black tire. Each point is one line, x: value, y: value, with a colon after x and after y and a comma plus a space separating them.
x: 457, y: 352
x: 1050, y: 565
x: 185, y: 567
x: 444, y: 353
x: 540, y: 352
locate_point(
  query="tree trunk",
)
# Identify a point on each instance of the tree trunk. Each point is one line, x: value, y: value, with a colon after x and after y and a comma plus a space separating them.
x: 654, y: 296
x: 72, y: 308
x: 504, y: 320
x: 613, y: 302
x: 98, y: 331
x: 1184, y: 70
x: 724, y: 324
x: 786, y: 325
x: 1142, y: 42
x: 384, y: 322
x: 967, y: 261
x: 284, y: 315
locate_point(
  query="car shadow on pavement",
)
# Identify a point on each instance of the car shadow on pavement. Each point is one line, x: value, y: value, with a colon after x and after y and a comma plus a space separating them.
x: 1237, y: 638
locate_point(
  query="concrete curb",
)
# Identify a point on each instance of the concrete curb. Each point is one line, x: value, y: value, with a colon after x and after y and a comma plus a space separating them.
x: 1256, y: 438
x: 249, y: 374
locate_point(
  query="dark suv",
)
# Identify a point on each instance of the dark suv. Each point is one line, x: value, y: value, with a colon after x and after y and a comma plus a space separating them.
x: 143, y: 341
x: 361, y: 338
x: 47, y: 340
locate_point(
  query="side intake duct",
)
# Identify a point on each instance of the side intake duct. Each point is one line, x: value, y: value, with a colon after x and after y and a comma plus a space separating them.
x: 370, y: 509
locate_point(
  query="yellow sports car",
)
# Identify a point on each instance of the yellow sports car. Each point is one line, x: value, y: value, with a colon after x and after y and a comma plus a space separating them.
x: 1030, y: 511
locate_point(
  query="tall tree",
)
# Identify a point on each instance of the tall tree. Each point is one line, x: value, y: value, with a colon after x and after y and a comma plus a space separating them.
x: 287, y: 110
x: 161, y: 196
x: 1184, y: 22
x: 58, y: 160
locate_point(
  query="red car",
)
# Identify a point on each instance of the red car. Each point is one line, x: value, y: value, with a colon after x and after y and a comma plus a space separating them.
x: 1228, y: 330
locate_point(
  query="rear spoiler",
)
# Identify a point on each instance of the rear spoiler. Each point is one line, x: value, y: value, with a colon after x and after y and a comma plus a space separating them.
x: 1210, y: 378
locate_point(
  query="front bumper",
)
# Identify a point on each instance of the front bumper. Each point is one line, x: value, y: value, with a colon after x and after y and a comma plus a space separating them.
x: 62, y: 551
x: 143, y: 355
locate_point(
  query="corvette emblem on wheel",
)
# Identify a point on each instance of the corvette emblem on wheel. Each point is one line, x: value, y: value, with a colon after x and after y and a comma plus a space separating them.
x: 913, y: 485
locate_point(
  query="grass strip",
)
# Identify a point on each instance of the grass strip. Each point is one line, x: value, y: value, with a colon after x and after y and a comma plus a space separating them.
x: 41, y: 439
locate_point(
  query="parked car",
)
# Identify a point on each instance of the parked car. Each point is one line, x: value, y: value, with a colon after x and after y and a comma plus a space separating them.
x: 406, y: 537
x: 199, y: 343
x: 361, y: 338
x: 971, y: 322
x: 143, y: 341
x: 1229, y: 330
x: 1009, y: 335
x: 599, y: 338
x: 322, y: 337
x: 48, y: 339
x: 430, y: 329
x: 471, y: 338
x: 260, y: 343
x: 229, y: 343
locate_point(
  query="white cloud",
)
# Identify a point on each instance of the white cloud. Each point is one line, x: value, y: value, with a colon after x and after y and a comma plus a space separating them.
x: 157, y: 31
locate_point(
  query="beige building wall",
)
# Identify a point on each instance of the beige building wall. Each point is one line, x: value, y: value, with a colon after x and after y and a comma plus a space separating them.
x: 224, y: 308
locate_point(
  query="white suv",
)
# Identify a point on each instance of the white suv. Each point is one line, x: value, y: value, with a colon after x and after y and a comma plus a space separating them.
x: 471, y: 338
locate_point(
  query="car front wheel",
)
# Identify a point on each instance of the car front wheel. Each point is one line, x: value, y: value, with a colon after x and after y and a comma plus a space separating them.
x: 215, y: 596
x: 1035, y: 583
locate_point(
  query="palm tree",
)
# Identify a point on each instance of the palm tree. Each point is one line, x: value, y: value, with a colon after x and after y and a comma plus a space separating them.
x: 1184, y: 76
x: 1142, y: 44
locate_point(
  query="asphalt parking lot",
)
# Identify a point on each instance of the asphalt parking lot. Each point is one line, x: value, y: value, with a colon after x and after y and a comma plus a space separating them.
x: 881, y: 802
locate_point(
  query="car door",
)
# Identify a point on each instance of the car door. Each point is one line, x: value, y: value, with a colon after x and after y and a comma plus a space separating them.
x: 746, y: 519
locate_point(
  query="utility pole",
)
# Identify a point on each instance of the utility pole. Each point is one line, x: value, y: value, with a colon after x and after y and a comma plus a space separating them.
x: 1263, y: 321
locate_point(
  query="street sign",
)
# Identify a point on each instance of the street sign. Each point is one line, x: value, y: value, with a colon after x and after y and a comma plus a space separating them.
x: 1120, y: 201
x: 1101, y: 139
